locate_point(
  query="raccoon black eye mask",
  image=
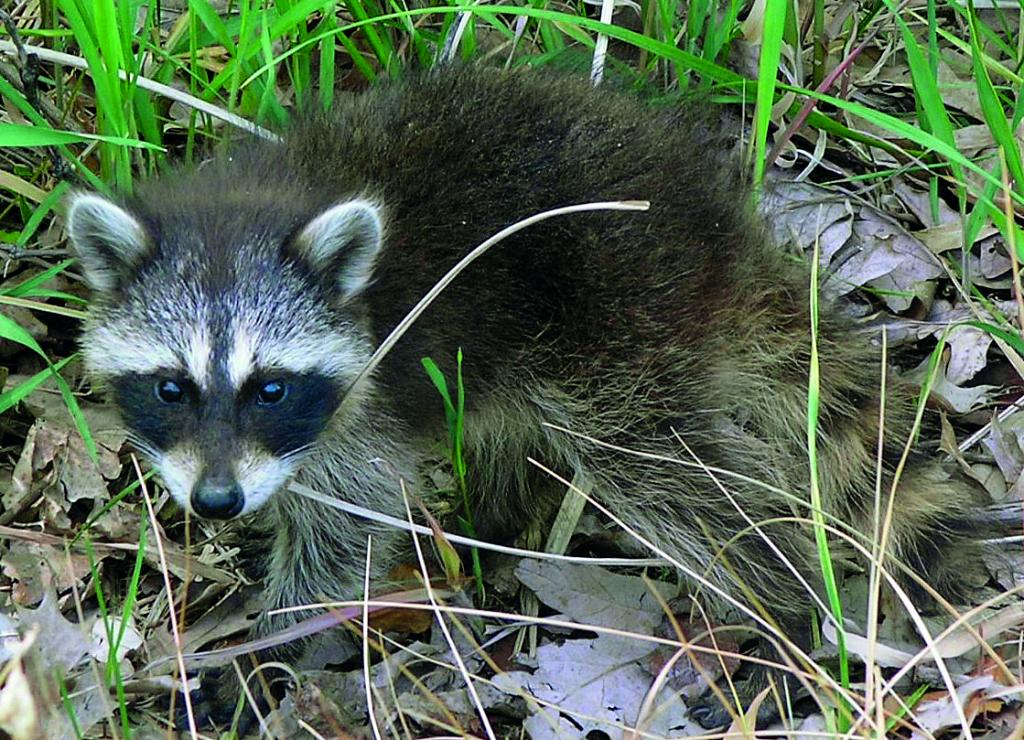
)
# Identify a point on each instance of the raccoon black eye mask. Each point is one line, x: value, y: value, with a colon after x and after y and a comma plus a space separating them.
x: 233, y: 304
x: 285, y: 415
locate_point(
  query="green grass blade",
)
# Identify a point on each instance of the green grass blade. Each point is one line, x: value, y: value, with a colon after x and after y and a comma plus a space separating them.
x: 27, y: 287
x: 928, y: 96
x: 12, y: 331
x: 992, y: 109
x: 208, y: 17
x: 715, y: 73
x: 817, y: 506
x: 327, y: 55
x: 39, y: 213
x: 1012, y: 338
x: 767, y: 72
x: 438, y: 379
x: 20, y: 135
x: 11, y: 397
x: 12, y: 95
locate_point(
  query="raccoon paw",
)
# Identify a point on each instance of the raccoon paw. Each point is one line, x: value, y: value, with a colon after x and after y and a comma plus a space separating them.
x: 216, y: 702
x: 710, y: 713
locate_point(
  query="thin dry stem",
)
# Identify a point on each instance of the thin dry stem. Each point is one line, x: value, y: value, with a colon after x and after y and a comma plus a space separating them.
x: 165, y: 574
x: 70, y: 60
x: 874, y: 582
x: 443, y: 625
x: 414, y: 313
x: 367, y: 683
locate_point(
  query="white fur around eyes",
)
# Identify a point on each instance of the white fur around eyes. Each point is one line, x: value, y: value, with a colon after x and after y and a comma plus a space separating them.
x: 118, y: 350
x: 241, y: 359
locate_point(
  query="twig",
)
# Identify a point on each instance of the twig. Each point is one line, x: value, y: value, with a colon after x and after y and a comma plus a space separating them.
x: 145, y: 83
x: 367, y: 682
x: 411, y: 317
x: 439, y: 614
x: 28, y: 75
x: 364, y: 513
x: 175, y: 632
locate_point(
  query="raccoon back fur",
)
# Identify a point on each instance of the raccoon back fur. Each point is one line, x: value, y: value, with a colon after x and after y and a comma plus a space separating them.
x: 234, y: 304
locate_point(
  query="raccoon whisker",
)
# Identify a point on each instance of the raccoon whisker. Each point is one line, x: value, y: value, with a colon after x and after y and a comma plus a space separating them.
x: 297, y: 453
x: 143, y: 446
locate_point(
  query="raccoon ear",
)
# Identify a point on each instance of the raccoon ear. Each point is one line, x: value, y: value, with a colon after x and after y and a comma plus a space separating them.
x: 108, y: 240
x: 345, y: 239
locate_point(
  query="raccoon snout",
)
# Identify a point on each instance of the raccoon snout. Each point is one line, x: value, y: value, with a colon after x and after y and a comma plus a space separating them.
x: 217, y: 498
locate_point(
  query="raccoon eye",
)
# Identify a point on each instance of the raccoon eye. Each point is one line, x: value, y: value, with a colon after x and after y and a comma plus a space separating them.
x: 271, y: 393
x: 169, y: 391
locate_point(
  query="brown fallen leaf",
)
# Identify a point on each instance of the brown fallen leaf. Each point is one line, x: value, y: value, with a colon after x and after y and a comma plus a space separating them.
x: 34, y: 567
x: 19, y: 715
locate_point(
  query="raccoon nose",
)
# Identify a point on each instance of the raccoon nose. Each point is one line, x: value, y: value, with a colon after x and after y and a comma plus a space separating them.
x: 217, y: 499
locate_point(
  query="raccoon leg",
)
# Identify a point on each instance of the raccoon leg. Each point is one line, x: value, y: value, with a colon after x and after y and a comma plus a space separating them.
x: 671, y: 506
x: 749, y: 682
x: 728, y: 538
x: 319, y: 553
x: 940, y: 532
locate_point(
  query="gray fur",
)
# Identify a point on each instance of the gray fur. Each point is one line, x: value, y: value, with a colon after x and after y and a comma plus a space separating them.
x: 109, y: 241
x: 349, y: 233
x: 637, y: 330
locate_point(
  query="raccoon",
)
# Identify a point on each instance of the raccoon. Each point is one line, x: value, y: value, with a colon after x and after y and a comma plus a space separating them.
x: 235, y: 304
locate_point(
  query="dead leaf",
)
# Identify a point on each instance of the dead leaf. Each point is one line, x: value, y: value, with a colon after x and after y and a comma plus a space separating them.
x: 406, y: 621
x: 601, y: 682
x: 19, y: 716
x: 955, y: 643
x: 446, y: 551
x: 920, y: 202
x: 800, y: 213
x: 948, y: 394
x: 130, y: 639
x: 957, y: 88
x: 593, y: 595
x: 938, y: 710
x: 942, y: 238
x: 62, y: 644
x: 597, y: 682
x: 1006, y: 443
x: 55, y: 464
x: 20, y: 493
x: 748, y: 722
x: 887, y: 258
x: 968, y: 353
x: 986, y: 475
x: 55, y: 651
x: 992, y: 257
x: 35, y: 566
x: 971, y: 140
x: 692, y: 671
x: 858, y: 245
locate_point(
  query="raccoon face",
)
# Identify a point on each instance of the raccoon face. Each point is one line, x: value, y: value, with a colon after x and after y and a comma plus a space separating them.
x: 226, y: 339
